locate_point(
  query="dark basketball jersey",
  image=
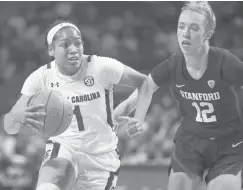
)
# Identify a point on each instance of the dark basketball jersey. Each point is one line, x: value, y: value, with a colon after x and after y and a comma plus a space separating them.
x: 209, y: 106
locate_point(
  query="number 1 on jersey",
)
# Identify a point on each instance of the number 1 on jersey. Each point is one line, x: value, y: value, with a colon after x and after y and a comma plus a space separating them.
x: 79, y: 117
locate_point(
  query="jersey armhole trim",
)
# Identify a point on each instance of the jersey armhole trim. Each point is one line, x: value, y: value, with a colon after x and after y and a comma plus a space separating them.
x: 89, y: 59
x: 221, y: 67
x: 48, y: 66
x: 172, y: 67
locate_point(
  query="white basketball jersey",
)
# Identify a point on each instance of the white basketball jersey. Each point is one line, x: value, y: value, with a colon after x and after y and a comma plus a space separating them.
x: 90, y: 92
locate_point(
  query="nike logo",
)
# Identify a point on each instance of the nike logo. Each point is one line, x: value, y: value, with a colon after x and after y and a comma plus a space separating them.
x: 179, y: 86
x: 235, y: 145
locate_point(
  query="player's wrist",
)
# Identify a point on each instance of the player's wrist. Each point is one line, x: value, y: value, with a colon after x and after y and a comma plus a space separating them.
x: 11, y: 125
x: 17, y: 116
x: 139, y: 117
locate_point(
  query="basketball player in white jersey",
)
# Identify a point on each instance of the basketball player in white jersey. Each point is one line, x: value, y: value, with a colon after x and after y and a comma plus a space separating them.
x: 84, y: 156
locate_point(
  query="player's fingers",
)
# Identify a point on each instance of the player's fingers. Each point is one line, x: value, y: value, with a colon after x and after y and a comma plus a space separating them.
x: 131, y: 130
x: 121, y: 122
x: 129, y: 120
x: 139, y: 126
x: 134, y: 123
x: 135, y: 134
x: 35, y: 107
x: 124, y: 118
x: 131, y: 135
x: 140, y: 129
x: 34, y: 115
x: 34, y: 123
x: 32, y: 128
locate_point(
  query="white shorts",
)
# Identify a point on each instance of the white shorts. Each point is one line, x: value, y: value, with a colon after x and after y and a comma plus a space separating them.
x: 92, y: 172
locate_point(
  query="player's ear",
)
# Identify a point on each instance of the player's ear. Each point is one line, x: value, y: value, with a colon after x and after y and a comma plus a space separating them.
x: 51, y: 50
x: 208, y: 34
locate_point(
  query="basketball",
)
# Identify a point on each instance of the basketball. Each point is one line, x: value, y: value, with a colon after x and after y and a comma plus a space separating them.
x: 58, y: 112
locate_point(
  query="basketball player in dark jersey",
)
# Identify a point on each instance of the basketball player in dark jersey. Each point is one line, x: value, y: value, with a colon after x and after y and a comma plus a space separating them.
x: 203, y: 80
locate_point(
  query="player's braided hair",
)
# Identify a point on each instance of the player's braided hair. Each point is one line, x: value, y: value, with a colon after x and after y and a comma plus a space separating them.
x: 204, y: 8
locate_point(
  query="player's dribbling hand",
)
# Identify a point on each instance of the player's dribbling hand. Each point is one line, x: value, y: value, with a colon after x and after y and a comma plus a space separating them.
x: 134, y: 126
x: 31, y: 117
x: 34, y: 118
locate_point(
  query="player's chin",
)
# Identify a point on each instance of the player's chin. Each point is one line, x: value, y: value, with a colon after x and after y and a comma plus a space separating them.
x: 74, y: 63
x: 185, y: 51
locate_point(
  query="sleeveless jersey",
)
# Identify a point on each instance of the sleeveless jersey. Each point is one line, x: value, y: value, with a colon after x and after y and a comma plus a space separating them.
x: 91, y: 95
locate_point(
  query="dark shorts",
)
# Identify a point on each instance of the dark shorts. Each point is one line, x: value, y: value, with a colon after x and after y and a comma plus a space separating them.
x: 194, y: 154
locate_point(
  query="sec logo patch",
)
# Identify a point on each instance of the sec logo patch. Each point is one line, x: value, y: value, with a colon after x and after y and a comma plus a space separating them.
x: 89, y: 81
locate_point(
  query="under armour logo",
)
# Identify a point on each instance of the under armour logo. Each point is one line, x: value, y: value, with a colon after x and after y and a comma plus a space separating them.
x: 55, y: 84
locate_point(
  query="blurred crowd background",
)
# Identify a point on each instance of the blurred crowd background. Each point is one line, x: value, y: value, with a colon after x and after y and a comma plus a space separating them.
x: 139, y: 34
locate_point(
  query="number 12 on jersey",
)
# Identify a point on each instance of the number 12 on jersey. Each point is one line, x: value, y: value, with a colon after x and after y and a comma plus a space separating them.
x: 203, y: 110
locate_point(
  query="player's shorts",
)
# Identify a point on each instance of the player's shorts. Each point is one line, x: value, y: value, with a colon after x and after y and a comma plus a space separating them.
x: 92, y: 172
x: 194, y: 154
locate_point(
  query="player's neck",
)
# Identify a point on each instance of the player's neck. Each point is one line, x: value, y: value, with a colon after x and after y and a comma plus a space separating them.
x: 70, y: 72
x: 66, y: 72
x: 199, y: 59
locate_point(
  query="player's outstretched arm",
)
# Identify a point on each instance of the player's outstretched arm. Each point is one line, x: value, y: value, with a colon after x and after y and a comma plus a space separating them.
x: 126, y: 107
x: 22, y: 115
x: 133, y: 78
x: 145, y: 94
x: 158, y: 76
x: 141, y: 103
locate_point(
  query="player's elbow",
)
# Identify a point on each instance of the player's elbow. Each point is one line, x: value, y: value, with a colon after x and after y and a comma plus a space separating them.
x: 143, y: 78
x: 146, y: 88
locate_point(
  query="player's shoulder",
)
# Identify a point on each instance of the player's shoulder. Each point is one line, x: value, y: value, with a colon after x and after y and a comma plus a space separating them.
x: 98, y: 63
x: 49, y: 66
x: 168, y: 63
x: 43, y: 70
x: 223, y: 55
x: 176, y: 57
x: 45, y: 67
x: 102, y: 60
x: 221, y: 52
x: 174, y: 60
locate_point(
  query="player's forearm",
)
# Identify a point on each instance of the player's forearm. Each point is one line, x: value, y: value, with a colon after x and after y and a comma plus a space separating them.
x: 144, y: 98
x: 126, y: 107
x: 11, y: 125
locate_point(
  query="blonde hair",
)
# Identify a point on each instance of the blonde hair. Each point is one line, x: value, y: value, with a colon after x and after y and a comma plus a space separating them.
x: 204, y: 8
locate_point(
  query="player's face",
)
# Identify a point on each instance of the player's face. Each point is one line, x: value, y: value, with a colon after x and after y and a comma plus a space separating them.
x: 68, y: 49
x: 191, y: 31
